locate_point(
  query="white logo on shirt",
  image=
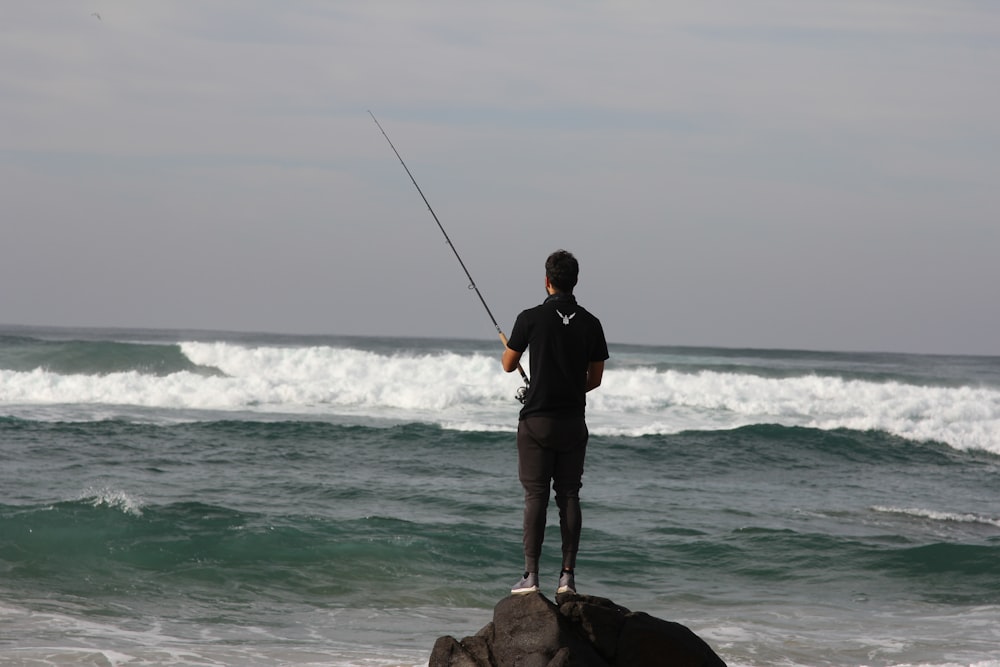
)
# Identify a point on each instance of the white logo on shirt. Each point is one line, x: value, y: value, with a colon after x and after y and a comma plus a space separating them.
x: 566, y: 318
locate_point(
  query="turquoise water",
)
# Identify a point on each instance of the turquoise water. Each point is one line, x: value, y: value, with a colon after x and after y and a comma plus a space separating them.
x: 194, y: 498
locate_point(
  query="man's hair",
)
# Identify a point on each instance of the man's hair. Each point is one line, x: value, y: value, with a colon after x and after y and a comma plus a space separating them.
x: 562, y: 270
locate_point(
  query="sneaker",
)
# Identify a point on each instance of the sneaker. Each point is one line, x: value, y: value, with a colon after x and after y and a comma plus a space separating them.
x: 528, y: 584
x: 567, y: 583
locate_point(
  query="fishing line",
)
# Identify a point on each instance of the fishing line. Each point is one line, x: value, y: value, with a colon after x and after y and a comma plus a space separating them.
x: 472, y: 283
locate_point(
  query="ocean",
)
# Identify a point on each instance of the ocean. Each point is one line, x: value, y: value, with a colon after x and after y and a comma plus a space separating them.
x: 199, y: 498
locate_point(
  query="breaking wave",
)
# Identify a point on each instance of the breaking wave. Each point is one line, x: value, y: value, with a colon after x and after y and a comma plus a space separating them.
x: 467, y: 391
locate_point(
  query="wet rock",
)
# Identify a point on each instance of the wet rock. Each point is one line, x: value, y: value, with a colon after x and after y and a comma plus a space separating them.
x: 579, y: 631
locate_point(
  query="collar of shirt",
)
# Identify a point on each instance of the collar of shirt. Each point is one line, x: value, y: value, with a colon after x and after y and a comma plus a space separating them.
x: 559, y: 296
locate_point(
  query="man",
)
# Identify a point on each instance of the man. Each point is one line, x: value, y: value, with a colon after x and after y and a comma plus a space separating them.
x: 567, y: 351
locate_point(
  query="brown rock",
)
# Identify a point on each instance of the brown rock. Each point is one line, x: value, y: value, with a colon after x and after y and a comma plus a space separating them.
x: 583, y: 631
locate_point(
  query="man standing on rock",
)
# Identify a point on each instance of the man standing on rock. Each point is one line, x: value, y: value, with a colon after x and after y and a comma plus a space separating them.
x: 567, y: 351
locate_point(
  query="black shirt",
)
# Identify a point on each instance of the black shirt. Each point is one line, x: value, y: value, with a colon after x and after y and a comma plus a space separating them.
x: 562, y: 339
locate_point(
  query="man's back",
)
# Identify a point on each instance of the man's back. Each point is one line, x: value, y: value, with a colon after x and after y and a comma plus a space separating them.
x: 562, y: 338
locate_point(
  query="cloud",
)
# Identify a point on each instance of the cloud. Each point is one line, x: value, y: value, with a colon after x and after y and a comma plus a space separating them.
x: 777, y: 174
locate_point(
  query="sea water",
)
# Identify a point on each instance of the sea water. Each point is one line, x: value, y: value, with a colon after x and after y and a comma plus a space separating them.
x: 195, y: 498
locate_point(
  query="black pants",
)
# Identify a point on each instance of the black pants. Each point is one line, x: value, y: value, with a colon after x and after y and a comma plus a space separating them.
x: 551, y: 451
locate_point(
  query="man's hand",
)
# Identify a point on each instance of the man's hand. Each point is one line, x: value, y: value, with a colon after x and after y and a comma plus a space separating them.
x: 595, y: 371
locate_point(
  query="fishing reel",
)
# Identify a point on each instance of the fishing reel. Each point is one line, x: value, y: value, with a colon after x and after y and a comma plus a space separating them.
x: 522, y: 393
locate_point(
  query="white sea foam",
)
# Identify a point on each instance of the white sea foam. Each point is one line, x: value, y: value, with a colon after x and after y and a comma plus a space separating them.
x: 74, y: 640
x: 935, y: 515
x: 910, y: 635
x: 115, y: 499
x: 470, y: 392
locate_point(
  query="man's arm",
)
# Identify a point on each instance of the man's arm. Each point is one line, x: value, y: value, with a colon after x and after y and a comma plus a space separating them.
x: 510, y: 360
x: 595, y: 371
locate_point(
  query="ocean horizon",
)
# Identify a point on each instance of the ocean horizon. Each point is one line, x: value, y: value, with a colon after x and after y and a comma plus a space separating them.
x: 204, y: 498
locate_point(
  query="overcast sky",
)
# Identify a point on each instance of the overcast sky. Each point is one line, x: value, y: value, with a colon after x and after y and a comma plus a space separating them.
x: 779, y: 173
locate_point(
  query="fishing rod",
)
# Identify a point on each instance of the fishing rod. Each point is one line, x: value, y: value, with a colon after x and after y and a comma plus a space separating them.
x: 472, y: 283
